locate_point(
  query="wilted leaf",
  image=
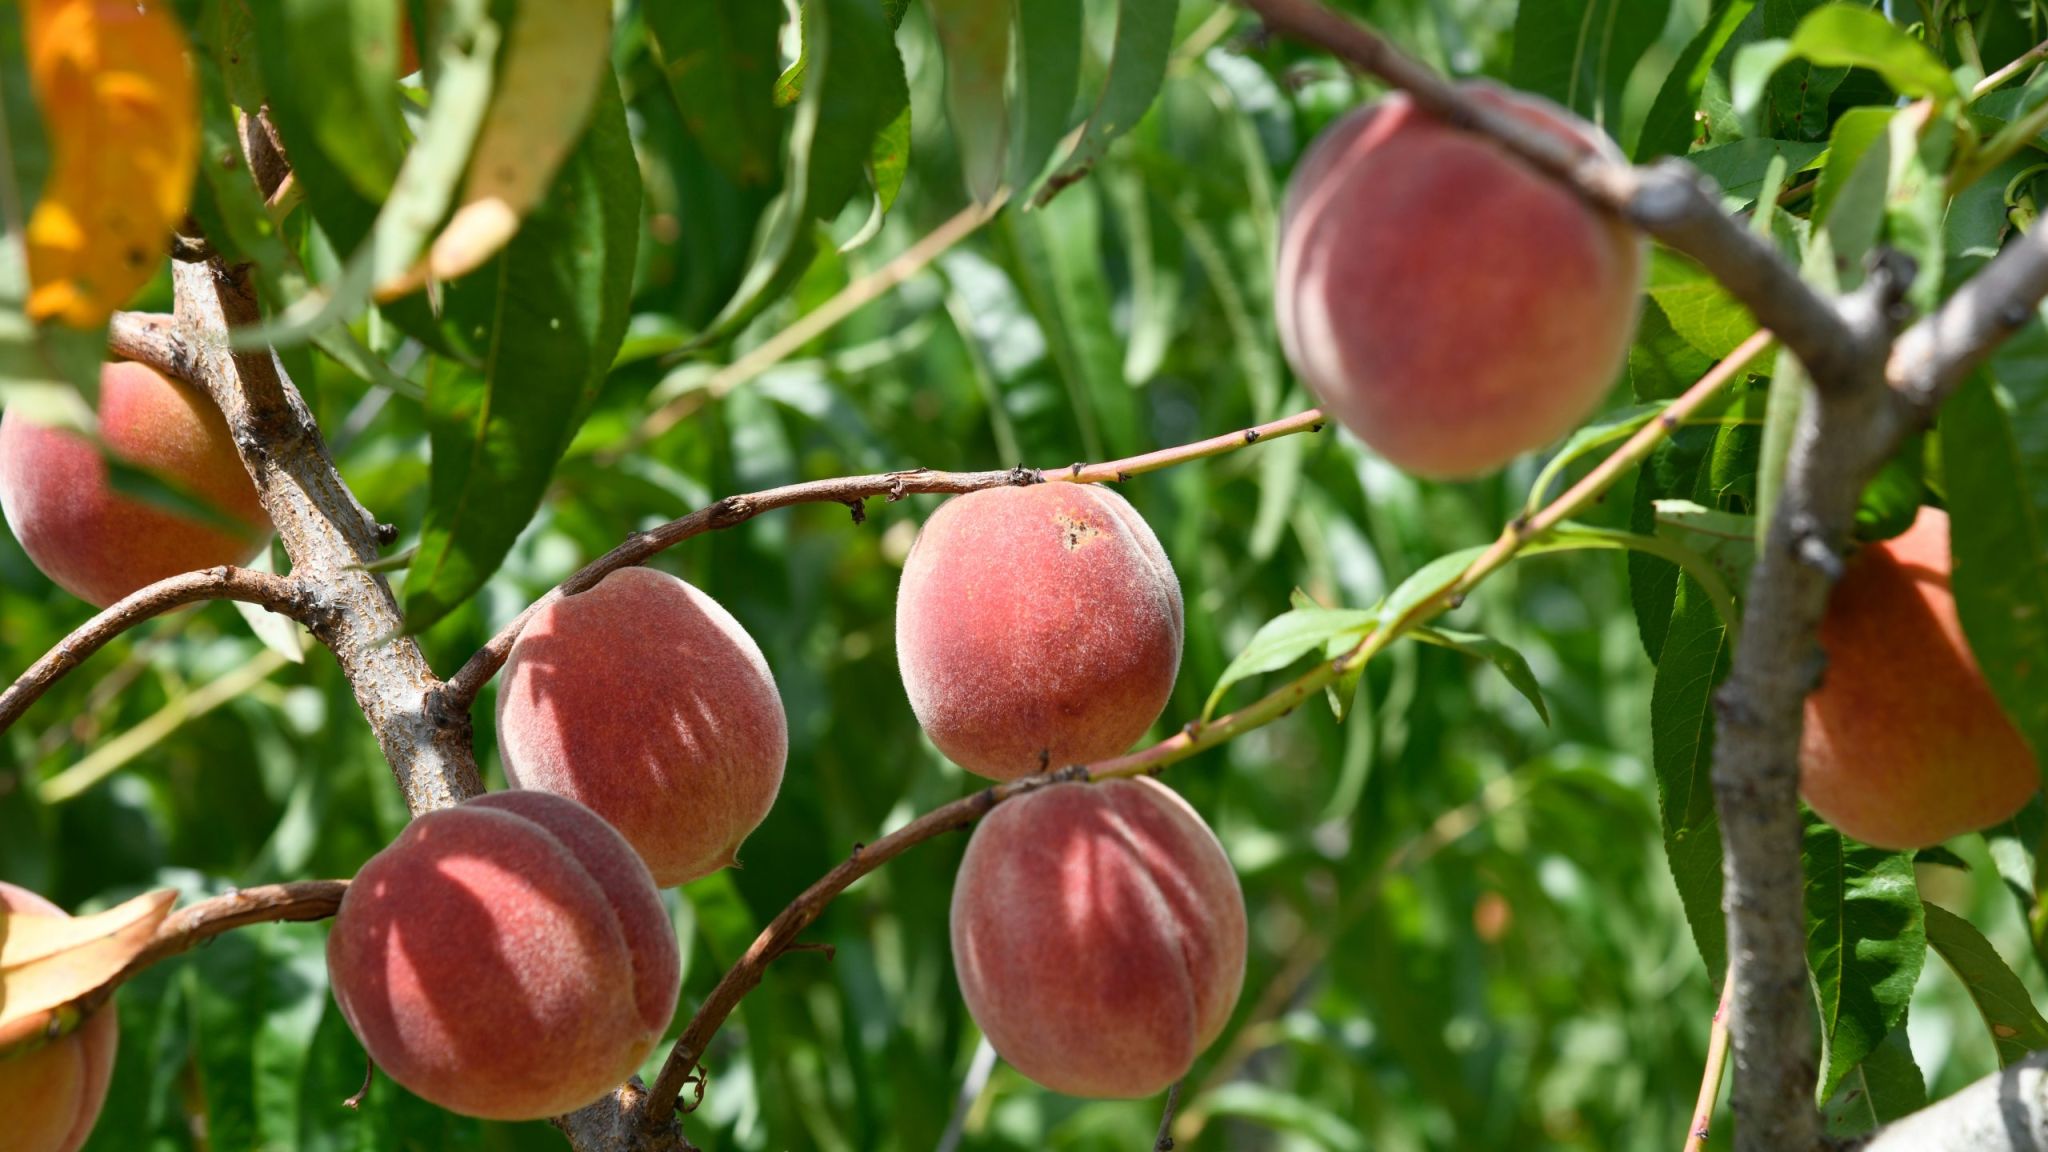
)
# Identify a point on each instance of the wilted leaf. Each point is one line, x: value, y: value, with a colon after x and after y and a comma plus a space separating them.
x: 555, y: 57
x: 47, y: 962
x: 122, y: 118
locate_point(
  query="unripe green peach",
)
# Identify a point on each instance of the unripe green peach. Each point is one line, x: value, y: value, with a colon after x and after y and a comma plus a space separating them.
x: 508, y: 958
x: 50, y: 1096
x: 1452, y: 306
x: 1037, y: 626
x: 643, y: 699
x: 1905, y: 746
x: 100, y: 545
x: 1098, y: 936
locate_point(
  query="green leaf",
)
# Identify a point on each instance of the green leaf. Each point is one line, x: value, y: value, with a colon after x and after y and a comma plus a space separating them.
x: 1511, y: 663
x: 336, y: 63
x: 1739, y: 167
x: 1696, y: 653
x: 1581, y: 53
x: 1048, y: 74
x: 1428, y: 581
x: 1669, y: 127
x: 541, y: 321
x: 864, y: 93
x: 1608, y: 428
x: 1287, y: 638
x: 1662, y: 363
x: 1864, y: 941
x: 1137, y: 66
x: 1884, y: 1087
x: 975, y: 36
x: 1854, y: 36
x: 385, y: 242
x: 1994, y: 439
x: 2015, y: 1024
x: 1059, y: 267
x: 720, y: 62
x: 1698, y: 308
x: 1287, y: 1112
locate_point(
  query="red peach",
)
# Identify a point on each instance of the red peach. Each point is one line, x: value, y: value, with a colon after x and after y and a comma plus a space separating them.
x: 51, y: 1095
x: 645, y: 700
x: 1905, y: 746
x: 100, y: 545
x: 508, y: 958
x: 1098, y: 936
x: 1451, y: 305
x: 1037, y: 626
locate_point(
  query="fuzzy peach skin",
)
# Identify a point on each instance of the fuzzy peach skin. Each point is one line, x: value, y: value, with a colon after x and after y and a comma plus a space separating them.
x: 645, y: 700
x: 99, y: 545
x: 50, y: 1097
x: 507, y: 959
x: 1037, y: 626
x: 1452, y: 306
x: 1098, y: 936
x: 1905, y: 746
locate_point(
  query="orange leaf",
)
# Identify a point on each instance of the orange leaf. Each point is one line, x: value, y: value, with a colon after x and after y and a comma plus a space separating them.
x: 120, y: 111
x: 47, y: 962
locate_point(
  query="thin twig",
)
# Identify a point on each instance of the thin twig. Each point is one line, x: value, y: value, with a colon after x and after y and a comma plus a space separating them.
x: 283, y: 595
x: 194, y: 924
x: 1710, y: 1077
x: 1164, y: 1141
x: 461, y: 690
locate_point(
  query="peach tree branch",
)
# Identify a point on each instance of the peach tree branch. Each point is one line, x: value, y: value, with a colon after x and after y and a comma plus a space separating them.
x: 283, y: 595
x: 1193, y: 738
x: 331, y: 539
x: 852, y: 491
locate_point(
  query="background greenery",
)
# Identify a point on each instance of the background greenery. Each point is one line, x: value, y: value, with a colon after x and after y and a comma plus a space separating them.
x: 1465, y: 933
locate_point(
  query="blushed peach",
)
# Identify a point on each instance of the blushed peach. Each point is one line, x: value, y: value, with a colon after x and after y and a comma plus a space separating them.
x: 1099, y: 936
x: 645, y: 700
x: 51, y: 1095
x: 1037, y: 626
x: 100, y: 545
x: 1452, y: 306
x: 1905, y: 746
x: 508, y: 958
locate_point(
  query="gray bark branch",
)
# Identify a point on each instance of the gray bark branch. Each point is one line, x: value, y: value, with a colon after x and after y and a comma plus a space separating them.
x: 2006, y: 1111
x: 328, y: 535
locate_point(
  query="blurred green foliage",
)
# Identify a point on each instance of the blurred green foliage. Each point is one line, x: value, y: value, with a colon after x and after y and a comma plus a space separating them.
x: 1465, y: 933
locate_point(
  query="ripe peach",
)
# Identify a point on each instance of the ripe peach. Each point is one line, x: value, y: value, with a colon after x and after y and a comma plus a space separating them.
x: 100, y: 545
x: 508, y: 958
x: 645, y: 700
x: 1099, y: 936
x: 51, y: 1096
x: 1451, y: 305
x: 1905, y: 746
x: 1037, y: 626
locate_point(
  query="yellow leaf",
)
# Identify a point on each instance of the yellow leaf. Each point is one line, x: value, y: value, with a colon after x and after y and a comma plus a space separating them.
x: 555, y: 54
x: 121, y: 114
x: 46, y: 962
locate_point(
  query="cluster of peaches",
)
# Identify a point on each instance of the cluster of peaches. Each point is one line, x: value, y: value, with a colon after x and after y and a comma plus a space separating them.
x: 510, y: 958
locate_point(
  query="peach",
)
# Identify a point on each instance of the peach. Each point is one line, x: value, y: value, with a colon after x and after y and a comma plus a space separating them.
x: 1905, y: 746
x: 644, y: 699
x: 100, y: 545
x: 1451, y: 305
x: 1037, y: 626
x: 51, y: 1095
x: 507, y: 959
x: 1099, y: 936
